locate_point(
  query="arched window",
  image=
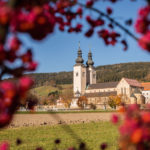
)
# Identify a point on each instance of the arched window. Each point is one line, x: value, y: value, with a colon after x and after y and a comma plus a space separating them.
x: 94, y: 76
x: 83, y: 74
x: 124, y: 90
x: 121, y: 90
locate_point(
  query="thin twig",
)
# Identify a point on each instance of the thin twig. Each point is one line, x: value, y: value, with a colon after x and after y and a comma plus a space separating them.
x: 110, y: 19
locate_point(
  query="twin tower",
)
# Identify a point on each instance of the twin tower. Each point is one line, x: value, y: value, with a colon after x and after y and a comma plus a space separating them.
x: 83, y: 75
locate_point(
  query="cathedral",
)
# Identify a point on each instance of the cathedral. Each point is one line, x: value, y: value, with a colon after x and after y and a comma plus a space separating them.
x: 84, y: 84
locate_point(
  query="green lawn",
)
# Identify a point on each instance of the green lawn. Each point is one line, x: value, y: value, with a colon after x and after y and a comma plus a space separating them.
x: 67, y: 111
x: 43, y: 91
x: 91, y: 133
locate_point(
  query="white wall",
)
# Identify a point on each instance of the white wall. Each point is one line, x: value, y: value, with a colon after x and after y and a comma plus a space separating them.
x: 101, y: 90
x: 146, y: 94
x: 91, y: 75
x: 79, y: 79
x: 123, y: 88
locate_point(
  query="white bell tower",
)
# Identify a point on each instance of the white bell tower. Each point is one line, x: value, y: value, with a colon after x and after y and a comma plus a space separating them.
x: 91, y: 73
x: 79, y: 75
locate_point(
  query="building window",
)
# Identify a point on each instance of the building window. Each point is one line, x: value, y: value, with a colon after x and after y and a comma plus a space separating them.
x: 121, y: 90
x: 94, y: 76
x: 76, y: 74
x: 83, y: 74
x: 124, y: 90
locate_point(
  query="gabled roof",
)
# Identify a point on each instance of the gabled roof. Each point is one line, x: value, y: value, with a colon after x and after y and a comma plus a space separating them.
x: 101, y: 94
x: 77, y: 92
x: 103, y: 85
x: 133, y: 82
x: 146, y: 86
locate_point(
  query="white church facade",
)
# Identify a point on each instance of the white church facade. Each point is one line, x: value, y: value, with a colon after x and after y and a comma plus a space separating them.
x: 83, y: 75
x: 84, y: 84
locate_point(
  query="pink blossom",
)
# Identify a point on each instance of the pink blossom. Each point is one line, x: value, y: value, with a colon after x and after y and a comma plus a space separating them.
x: 6, y: 85
x: 144, y: 41
x: 146, y: 117
x: 144, y: 12
x: 25, y: 83
x: 141, y: 25
x: 32, y: 66
x: 109, y: 10
x: 114, y: 118
x: 15, y: 44
x: 5, y: 119
x: 4, y: 146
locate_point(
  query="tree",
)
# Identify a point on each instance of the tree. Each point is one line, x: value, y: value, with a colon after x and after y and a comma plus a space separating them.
x: 30, y: 101
x: 82, y: 102
x: 114, y: 101
x: 92, y: 106
x: 66, y: 97
x: 52, y: 97
x: 53, y: 83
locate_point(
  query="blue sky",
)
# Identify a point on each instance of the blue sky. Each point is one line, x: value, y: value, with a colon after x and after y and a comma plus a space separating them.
x: 59, y: 50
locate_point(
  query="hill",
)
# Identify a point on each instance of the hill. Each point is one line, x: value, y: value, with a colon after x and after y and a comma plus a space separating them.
x: 107, y: 73
x: 138, y: 70
x: 43, y: 91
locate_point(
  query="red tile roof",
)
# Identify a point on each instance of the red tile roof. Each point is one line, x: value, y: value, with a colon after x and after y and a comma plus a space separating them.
x: 146, y: 86
x: 133, y: 82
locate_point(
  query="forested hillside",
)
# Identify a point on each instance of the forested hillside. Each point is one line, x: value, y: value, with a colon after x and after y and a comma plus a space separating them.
x: 140, y: 71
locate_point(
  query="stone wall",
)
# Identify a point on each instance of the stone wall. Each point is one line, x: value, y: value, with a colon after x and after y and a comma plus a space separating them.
x: 99, y: 102
x: 79, y: 79
x: 101, y: 90
x: 123, y: 88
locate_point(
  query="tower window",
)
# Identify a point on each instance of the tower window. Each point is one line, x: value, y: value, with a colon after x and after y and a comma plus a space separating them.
x: 124, y: 90
x: 94, y: 75
x: 121, y: 90
x: 76, y: 74
x: 83, y: 74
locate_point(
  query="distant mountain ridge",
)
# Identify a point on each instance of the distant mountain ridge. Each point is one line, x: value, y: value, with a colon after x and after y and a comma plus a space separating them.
x: 106, y: 73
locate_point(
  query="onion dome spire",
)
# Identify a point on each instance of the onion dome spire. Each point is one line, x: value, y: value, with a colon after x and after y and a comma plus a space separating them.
x: 90, y: 61
x: 79, y: 59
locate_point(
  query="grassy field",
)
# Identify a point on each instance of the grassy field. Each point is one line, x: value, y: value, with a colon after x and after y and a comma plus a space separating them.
x: 43, y: 91
x: 91, y: 133
x: 66, y: 111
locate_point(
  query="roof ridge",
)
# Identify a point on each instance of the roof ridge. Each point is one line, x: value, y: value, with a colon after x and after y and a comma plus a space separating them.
x: 131, y: 79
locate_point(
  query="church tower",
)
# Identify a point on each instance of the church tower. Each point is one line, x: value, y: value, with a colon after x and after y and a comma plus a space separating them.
x: 91, y: 73
x: 79, y: 75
